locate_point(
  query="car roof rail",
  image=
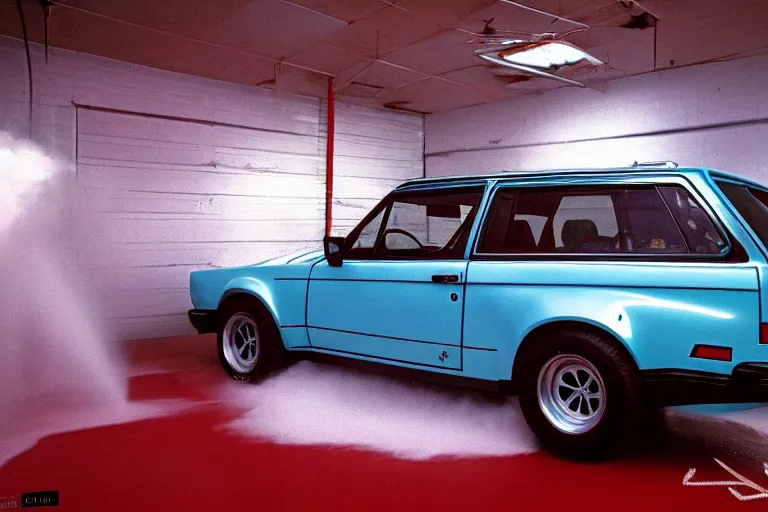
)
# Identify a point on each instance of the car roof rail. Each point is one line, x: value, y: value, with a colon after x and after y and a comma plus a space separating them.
x: 668, y: 164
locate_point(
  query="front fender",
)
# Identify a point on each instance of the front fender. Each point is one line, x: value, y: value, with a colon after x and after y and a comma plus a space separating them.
x: 254, y: 287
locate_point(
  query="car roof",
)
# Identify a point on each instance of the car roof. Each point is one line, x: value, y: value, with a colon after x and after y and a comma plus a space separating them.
x: 661, y: 168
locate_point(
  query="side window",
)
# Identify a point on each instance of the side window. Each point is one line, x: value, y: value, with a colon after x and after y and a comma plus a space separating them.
x: 497, y: 236
x: 536, y: 223
x: 700, y: 234
x: 752, y: 205
x: 440, y: 229
x: 407, y: 226
x: 363, y: 246
x: 585, y: 218
x: 648, y: 225
x: 429, y: 226
x: 541, y: 221
x: 599, y: 220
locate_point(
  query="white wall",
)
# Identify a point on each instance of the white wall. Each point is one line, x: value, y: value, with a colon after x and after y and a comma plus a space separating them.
x: 375, y: 150
x: 172, y: 173
x: 659, y: 116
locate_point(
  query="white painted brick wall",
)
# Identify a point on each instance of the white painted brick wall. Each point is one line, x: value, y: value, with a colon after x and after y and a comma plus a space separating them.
x: 558, y: 129
x: 155, y: 198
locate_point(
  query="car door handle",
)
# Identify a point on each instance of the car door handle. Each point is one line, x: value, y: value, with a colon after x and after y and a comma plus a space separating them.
x: 445, y: 278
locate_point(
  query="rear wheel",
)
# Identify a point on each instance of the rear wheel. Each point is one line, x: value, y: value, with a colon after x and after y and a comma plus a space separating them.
x: 579, y: 393
x: 571, y: 393
x: 248, y: 340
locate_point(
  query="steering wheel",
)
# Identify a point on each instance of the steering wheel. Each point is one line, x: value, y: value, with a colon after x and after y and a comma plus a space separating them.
x: 401, y: 232
x: 624, y: 241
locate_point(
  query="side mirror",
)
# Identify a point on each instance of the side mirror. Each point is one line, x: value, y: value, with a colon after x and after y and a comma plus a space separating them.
x: 332, y: 246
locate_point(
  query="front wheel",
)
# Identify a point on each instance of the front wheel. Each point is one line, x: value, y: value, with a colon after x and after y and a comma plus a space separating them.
x: 579, y: 393
x: 247, y: 338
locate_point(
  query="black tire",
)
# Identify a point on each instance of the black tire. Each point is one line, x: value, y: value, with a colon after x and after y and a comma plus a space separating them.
x: 270, y: 345
x: 623, y: 392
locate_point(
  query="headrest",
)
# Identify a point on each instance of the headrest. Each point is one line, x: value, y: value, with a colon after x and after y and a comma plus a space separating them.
x: 575, y: 231
x: 520, y: 237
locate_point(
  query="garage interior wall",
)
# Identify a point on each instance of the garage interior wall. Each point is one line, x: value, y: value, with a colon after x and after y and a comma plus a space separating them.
x: 375, y: 150
x: 176, y: 173
x: 712, y: 115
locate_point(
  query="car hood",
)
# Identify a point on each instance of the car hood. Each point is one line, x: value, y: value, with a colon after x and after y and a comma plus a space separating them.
x: 293, y: 258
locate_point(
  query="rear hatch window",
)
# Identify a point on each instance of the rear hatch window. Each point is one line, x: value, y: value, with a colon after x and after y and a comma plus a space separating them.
x: 752, y: 205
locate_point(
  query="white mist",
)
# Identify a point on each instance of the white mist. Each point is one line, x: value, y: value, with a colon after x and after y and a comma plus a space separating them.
x: 310, y: 403
x: 56, y: 371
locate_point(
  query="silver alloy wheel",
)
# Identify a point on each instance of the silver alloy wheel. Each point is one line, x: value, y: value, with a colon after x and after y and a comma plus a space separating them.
x: 571, y: 393
x: 241, y: 342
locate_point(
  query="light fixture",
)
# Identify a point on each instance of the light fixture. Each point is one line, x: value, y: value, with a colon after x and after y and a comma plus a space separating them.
x: 538, y: 58
x: 547, y: 55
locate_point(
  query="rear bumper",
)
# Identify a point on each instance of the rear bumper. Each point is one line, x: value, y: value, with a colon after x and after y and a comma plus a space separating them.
x: 748, y: 383
x: 204, y: 320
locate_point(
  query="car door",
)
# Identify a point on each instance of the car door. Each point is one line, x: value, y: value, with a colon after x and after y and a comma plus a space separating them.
x: 399, y: 294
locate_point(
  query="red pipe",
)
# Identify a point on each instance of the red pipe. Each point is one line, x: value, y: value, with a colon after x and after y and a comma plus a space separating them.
x: 329, y: 160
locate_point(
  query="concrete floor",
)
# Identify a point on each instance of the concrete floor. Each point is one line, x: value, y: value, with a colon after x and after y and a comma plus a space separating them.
x: 317, y: 437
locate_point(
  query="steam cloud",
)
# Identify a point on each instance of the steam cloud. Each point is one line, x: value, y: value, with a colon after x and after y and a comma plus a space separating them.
x: 56, y: 371
x: 318, y: 404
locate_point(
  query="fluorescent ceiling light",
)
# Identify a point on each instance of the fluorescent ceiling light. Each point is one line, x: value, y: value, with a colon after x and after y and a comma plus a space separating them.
x: 547, y: 55
x: 528, y: 70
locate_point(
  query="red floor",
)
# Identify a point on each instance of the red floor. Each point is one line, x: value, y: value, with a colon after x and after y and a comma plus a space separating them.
x: 185, y: 462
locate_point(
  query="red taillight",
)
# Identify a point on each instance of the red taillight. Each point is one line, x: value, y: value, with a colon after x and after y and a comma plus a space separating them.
x: 764, y: 334
x: 712, y: 352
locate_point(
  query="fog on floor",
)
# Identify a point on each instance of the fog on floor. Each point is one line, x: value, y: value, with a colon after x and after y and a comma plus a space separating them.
x: 311, y: 403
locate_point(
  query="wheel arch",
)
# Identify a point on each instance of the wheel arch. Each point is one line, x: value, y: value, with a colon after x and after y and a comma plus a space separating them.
x: 254, y: 290
x: 583, y: 325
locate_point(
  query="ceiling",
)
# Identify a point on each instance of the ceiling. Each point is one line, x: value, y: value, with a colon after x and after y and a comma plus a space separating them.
x: 410, y: 55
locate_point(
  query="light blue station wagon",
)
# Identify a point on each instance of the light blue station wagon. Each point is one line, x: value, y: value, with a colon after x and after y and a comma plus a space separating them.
x: 592, y: 294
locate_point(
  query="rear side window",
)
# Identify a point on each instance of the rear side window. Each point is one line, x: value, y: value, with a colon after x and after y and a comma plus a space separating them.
x: 587, y: 212
x: 595, y: 220
x: 752, y: 204
x: 700, y: 233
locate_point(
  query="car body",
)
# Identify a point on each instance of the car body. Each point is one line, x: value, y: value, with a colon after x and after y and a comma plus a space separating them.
x: 664, y: 269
